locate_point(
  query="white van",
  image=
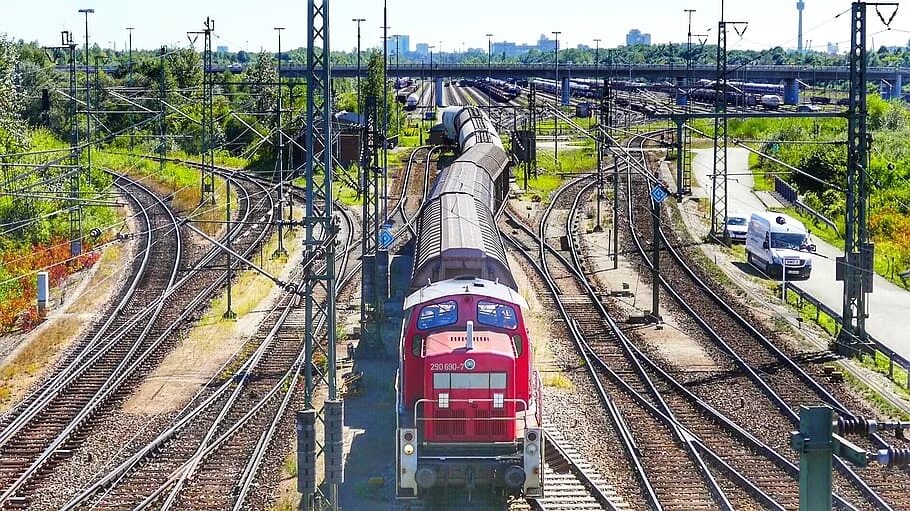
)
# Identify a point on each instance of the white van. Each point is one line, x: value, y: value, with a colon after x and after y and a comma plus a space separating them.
x: 776, y: 241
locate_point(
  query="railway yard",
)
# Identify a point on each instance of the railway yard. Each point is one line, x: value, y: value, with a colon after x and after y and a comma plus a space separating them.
x: 540, y: 285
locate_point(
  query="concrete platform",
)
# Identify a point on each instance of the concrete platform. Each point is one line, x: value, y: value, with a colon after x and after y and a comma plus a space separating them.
x: 888, y: 321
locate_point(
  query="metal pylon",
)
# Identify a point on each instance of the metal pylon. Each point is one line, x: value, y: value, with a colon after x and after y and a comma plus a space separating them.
x: 371, y: 172
x: 208, y: 117
x: 319, y: 279
x: 856, y: 268
x: 719, y: 176
x: 75, y: 171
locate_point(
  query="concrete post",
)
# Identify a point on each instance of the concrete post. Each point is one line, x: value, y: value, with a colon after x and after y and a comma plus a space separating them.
x: 439, y: 91
x: 897, y: 92
x: 681, y: 98
x: 566, y: 91
x: 43, y: 293
x: 791, y: 91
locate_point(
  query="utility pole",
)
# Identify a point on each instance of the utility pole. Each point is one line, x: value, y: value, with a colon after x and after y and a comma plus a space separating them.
x: 359, y: 100
x: 88, y: 99
x: 601, y: 135
x: 280, y: 251
x: 689, y: 64
x: 397, y: 76
x: 719, y: 178
x: 856, y: 267
x: 371, y: 303
x: 319, y: 279
x: 385, y: 111
x: 489, y: 73
x: 207, y: 188
x: 129, y: 80
x: 556, y: 103
x: 75, y: 172
x: 162, y: 112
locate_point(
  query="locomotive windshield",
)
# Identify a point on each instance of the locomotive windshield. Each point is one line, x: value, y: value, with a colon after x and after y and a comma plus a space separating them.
x: 496, y: 314
x: 437, y: 315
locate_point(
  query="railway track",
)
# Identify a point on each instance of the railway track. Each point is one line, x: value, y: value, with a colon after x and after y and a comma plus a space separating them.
x: 670, y: 466
x: 45, y: 428
x: 754, y: 370
x: 571, y: 482
x: 212, y: 454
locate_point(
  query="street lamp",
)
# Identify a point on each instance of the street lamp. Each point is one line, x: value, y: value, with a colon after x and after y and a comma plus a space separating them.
x: 489, y: 72
x: 88, y: 95
x: 359, y: 104
x: 397, y: 77
x: 556, y: 117
x: 596, y: 58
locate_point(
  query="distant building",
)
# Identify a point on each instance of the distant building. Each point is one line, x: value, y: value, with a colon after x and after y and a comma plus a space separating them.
x: 584, y: 47
x: 545, y: 43
x: 510, y: 49
x: 222, y: 49
x: 422, y: 49
x: 636, y: 37
x: 404, y: 44
x: 833, y: 49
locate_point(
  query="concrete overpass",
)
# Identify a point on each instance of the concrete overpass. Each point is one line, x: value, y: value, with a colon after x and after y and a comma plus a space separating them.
x: 645, y: 71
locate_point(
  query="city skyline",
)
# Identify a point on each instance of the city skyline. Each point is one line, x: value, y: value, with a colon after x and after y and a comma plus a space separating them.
x: 238, y: 27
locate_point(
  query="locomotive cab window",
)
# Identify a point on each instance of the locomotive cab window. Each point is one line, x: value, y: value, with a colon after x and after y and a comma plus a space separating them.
x: 473, y: 381
x: 496, y: 315
x: 437, y: 315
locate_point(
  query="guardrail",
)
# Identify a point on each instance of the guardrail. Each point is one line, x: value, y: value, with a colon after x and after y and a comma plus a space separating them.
x: 789, y: 194
x: 872, y: 348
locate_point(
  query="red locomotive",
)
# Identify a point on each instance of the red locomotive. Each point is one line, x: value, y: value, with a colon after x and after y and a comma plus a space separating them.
x: 469, y: 399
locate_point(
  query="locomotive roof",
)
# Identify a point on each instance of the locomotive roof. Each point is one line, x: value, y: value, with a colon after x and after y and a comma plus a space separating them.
x: 462, y: 286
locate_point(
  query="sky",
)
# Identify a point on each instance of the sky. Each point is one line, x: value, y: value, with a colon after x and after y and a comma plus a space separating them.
x: 450, y: 25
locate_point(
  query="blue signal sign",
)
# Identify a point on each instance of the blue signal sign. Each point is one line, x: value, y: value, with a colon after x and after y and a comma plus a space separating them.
x: 659, y: 194
x: 385, y: 237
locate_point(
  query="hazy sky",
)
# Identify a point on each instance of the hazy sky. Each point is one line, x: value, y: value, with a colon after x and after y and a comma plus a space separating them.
x: 249, y: 24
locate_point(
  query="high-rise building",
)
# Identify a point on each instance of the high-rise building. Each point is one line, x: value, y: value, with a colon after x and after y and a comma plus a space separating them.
x: 635, y: 37
x: 422, y: 49
x: 404, y: 44
x: 545, y: 43
x: 833, y: 49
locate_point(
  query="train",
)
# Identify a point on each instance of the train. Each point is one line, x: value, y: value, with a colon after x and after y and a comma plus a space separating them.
x: 501, y: 91
x: 468, y: 394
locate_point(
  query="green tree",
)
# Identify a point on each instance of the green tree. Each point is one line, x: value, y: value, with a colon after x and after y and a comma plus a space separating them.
x: 13, y: 131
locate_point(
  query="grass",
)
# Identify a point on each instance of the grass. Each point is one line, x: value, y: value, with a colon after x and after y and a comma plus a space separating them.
x: 557, y: 381
x: 248, y: 291
x: 19, y: 370
x: 762, y: 182
x: 880, y: 363
x: 811, y: 313
x: 540, y: 188
x: 873, y: 396
x: 176, y: 180
x: 574, y: 160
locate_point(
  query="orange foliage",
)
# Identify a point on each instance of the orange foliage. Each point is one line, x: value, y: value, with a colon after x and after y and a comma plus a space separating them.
x: 17, y: 309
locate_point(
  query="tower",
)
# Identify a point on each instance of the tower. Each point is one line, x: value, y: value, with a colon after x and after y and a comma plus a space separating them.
x: 800, y: 5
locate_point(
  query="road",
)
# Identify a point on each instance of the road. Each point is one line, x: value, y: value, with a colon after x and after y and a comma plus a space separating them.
x: 889, y: 304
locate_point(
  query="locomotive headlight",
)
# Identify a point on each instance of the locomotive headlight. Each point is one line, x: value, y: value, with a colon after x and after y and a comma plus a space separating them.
x: 531, y: 449
x: 408, y: 449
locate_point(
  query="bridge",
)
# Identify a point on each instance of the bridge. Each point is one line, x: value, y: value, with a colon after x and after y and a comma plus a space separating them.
x: 890, y: 78
x: 652, y: 72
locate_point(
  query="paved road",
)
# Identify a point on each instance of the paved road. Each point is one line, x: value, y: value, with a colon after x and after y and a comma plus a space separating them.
x: 889, y: 305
